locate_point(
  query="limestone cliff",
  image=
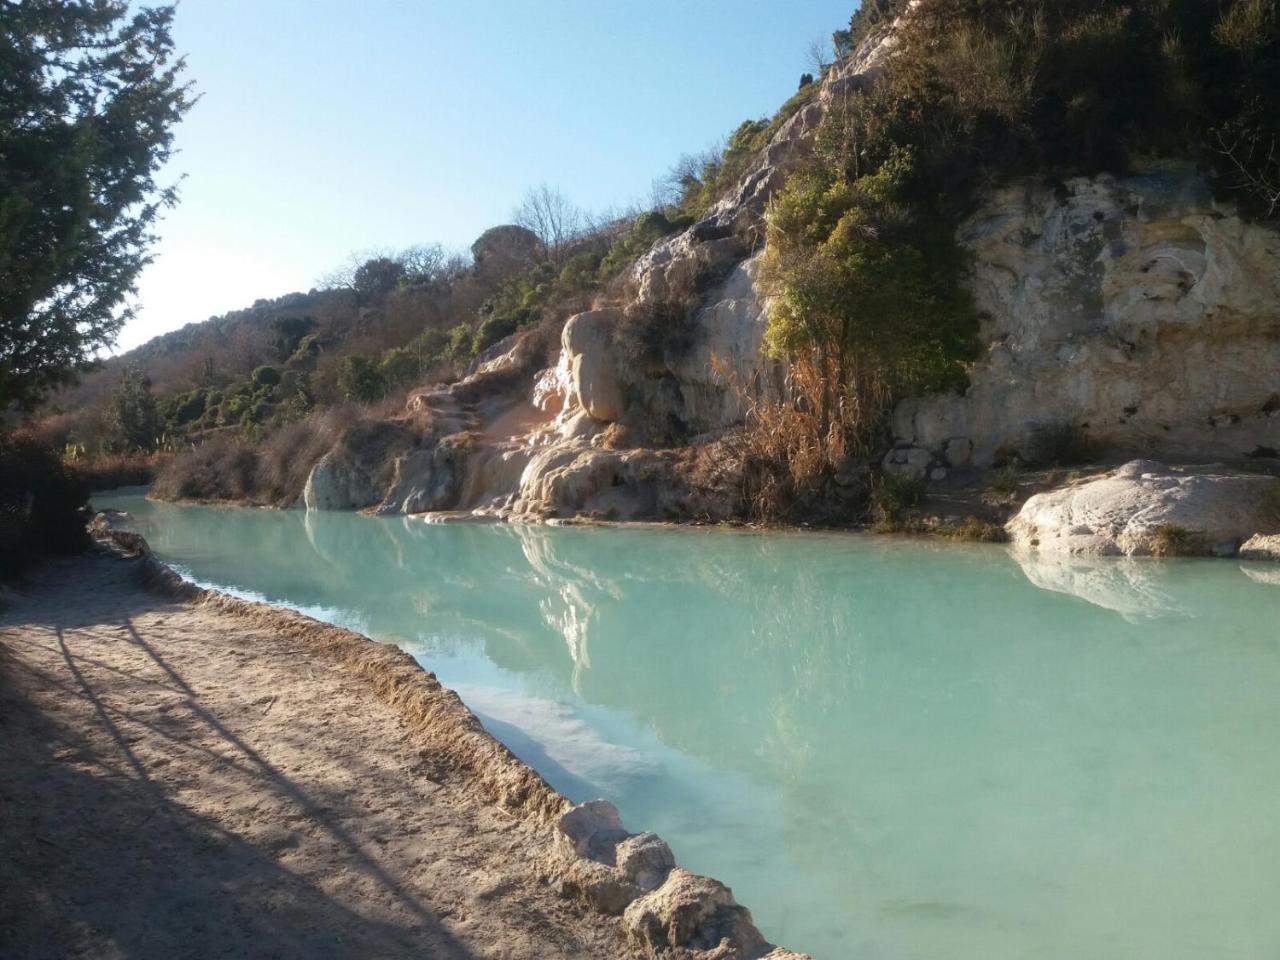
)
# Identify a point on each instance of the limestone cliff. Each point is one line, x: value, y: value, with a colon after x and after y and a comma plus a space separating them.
x: 1138, y: 309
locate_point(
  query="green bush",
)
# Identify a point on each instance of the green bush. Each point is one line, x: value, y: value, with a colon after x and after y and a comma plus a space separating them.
x: 265, y: 377
x: 400, y: 366
x: 491, y: 330
x: 866, y: 285
x: 649, y: 335
x: 893, y: 497
x: 461, y: 348
x: 360, y: 381
x: 985, y: 89
x: 133, y: 419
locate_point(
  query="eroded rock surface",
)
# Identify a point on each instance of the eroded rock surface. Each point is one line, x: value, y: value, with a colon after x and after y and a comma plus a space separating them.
x: 663, y: 907
x: 1261, y: 548
x: 1147, y: 508
x: 1136, y: 309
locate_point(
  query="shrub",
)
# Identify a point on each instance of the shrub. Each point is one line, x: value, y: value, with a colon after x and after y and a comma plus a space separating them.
x: 866, y: 287
x: 132, y: 417
x: 265, y: 377
x: 400, y: 366
x: 893, y: 496
x: 360, y: 381
x: 1172, y: 540
x: 1006, y: 481
x: 491, y: 330
x: 974, y: 530
x: 185, y: 408
x: 43, y: 505
x: 222, y: 468
x: 271, y: 472
x: 652, y: 334
x: 1060, y: 444
x: 110, y: 471
x: 288, y: 454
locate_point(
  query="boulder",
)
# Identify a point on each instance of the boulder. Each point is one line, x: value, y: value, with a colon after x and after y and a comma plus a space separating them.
x: 1260, y: 547
x: 601, y: 863
x: 338, y: 484
x: 506, y: 251
x: 592, y: 829
x: 958, y: 451
x: 587, y: 341
x: 1147, y: 508
x: 645, y: 860
x: 428, y: 480
x: 692, y: 911
x: 911, y: 463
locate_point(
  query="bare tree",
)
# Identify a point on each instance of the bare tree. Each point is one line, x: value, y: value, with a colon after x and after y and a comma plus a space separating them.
x: 1256, y: 160
x: 553, y: 218
x: 818, y: 53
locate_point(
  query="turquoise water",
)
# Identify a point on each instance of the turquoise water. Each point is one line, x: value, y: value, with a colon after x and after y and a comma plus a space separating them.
x: 888, y: 749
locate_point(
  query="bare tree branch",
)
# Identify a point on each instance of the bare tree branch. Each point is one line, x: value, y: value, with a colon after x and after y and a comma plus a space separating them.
x: 1257, y: 166
x: 553, y: 219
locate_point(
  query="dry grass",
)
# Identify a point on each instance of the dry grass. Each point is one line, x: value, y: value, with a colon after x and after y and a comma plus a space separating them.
x: 270, y: 473
x: 1172, y: 540
x: 894, y: 498
x: 1004, y: 483
x: 788, y: 456
x: 973, y: 530
x: 108, y: 471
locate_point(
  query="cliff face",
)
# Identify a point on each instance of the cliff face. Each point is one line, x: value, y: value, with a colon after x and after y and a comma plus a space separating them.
x: 1137, y: 309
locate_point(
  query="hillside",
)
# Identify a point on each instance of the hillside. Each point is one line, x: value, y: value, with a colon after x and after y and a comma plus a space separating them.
x: 987, y: 235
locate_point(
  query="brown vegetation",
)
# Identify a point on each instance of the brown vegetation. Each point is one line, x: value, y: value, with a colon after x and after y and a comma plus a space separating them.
x: 273, y: 473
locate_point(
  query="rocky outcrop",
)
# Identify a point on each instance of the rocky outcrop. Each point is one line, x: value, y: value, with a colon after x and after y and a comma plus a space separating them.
x: 1136, y: 309
x: 1259, y: 547
x: 354, y: 474
x: 1146, y: 508
x: 663, y: 907
x: 595, y: 378
x: 703, y: 389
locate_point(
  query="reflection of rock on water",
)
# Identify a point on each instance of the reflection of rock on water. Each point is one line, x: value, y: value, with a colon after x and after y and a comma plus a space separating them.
x: 1132, y: 588
x: 1261, y: 574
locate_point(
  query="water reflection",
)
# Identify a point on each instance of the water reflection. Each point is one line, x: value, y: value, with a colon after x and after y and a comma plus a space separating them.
x: 888, y: 749
x: 1135, y: 588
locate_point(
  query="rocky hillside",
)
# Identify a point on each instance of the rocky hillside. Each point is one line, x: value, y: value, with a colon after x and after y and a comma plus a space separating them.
x: 1138, y: 313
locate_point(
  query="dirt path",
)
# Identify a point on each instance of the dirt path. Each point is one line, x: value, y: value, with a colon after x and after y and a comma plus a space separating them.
x: 178, y: 780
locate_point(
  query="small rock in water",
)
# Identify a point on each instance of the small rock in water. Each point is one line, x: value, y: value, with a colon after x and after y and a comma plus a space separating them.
x: 1260, y: 547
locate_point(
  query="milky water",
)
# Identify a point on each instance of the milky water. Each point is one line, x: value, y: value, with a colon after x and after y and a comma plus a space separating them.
x: 887, y: 749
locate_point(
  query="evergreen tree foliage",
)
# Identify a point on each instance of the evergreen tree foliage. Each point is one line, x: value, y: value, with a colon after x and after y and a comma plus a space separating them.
x: 89, y: 97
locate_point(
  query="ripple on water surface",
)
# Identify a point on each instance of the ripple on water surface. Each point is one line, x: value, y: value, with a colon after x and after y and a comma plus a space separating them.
x: 888, y: 749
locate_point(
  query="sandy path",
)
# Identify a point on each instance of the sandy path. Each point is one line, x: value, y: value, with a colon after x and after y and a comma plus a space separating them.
x: 182, y: 781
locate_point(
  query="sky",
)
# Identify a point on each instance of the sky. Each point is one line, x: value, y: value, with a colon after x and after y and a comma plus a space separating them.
x: 327, y: 127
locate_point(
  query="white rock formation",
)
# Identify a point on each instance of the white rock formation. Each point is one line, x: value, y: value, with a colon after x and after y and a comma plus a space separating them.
x: 667, y: 911
x: 1136, y: 308
x: 594, y: 375
x: 1144, y: 508
x: 1259, y: 547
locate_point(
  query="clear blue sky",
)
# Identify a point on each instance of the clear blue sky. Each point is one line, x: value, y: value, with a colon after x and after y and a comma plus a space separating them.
x: 330, y: 126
